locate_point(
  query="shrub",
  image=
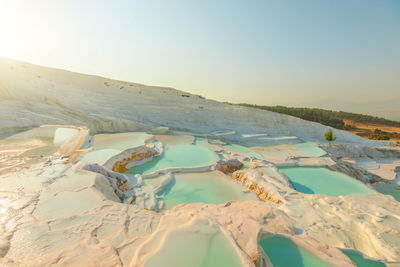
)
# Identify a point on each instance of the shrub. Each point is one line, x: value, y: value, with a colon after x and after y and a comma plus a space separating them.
x: 329, y: 136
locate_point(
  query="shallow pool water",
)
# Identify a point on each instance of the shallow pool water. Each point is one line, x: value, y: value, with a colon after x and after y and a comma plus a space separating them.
x: 72, y: 203
x: 359, y: 259
x: 175, y: 139
x: 194, y: 249
x: 319, y: 180
x: 388, y: 189
x: 178, y: 156
x: 283, y: 252
x: 209, y: 187
x: 308, y: 149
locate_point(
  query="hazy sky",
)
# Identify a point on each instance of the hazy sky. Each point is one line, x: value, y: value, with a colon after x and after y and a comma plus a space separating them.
x: 341, y: 54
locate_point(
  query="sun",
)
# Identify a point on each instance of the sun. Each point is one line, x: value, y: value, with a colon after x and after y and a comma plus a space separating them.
x: 14, y: 28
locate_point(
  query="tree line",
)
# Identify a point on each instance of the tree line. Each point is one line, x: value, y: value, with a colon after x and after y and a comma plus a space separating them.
x: 327, y: 117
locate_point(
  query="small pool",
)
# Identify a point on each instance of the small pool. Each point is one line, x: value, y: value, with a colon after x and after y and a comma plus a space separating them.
x: 319, y: 180
x: 388, y: 189
x: 209, y: 187
x: 359, y: 259
x: 308, y: 149
x: 72, y: 203
x: 195, y: 249
x: 178, y: 156
x: 283, y: 252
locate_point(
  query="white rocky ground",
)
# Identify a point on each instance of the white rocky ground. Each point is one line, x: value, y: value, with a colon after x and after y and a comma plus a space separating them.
x: 55, y: 210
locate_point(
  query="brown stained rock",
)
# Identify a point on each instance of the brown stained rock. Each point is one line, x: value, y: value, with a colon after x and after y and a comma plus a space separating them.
x: 240, y: 176
x: 120, y: 166
x: 75, y: 156
x: 229, y: 166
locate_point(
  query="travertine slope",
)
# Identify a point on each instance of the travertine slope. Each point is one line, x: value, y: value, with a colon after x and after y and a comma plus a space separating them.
x: 31, y: 96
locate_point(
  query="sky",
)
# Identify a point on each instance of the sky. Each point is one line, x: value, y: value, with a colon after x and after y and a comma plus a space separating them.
x: 340, y: 55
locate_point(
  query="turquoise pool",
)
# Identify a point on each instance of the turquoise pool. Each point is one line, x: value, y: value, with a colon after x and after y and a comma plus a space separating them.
x: 359, y: 259
x: 178, y: 156
x: 389, y: 189
x: 209, y: 188
x: 319, y: 180
x: 195, y: 249
x: 308, y: 149
x: 283, y: 252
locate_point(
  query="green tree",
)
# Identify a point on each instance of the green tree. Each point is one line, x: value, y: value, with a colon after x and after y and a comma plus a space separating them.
x: 329, y: 136
x: 378, y: 134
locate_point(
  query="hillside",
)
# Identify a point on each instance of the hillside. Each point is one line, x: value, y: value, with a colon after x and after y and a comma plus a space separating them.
x: 366, y: 126
x: 31, y: 95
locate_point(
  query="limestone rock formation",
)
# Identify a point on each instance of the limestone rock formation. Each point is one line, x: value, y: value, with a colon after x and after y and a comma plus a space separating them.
x: 229, y: 166
x: 262, y: 185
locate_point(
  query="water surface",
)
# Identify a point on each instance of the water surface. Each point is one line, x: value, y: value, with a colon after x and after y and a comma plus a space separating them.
x: 388, y: 189
x: 308, y: 149
x: 209, y: 187
x: 283, y: 252
x: 360, y: 260
x: 194, y: 249
x: 178, y: 156
x: 72, y: 203
x: 319, y: 180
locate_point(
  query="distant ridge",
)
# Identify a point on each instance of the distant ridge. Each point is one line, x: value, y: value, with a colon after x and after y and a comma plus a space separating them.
x: 341, y: 120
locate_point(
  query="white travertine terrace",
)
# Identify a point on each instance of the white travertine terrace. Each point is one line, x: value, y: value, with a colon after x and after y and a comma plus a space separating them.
x: 57, y: 209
